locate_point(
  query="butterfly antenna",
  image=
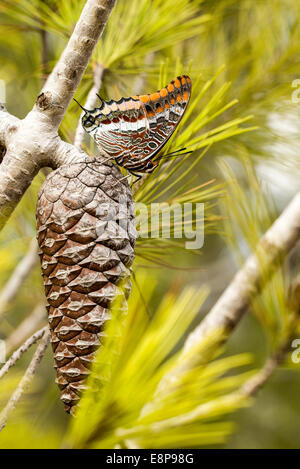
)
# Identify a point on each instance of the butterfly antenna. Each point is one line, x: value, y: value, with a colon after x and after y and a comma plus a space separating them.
x: 174, y: 154
x: 177, y: 154
x: 85, y: 110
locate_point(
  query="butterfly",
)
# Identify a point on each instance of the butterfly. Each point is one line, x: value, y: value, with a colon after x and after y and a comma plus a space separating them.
x: 133, y: 131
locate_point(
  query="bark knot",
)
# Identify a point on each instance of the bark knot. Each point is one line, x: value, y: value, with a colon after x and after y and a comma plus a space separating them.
x: 44, y: 100
x: 12, y: 129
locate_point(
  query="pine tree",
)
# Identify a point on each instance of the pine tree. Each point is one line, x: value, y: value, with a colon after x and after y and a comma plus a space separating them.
x: 145, y: 388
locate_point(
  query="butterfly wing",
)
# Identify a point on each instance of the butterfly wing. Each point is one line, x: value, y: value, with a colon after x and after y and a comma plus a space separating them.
x: 122, y: 129
x: 133, y: 130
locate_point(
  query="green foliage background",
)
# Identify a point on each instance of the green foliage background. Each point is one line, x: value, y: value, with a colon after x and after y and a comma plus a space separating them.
x: 242, y: 57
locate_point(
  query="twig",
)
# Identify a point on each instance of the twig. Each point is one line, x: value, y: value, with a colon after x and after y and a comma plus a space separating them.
x: 26, y: 328
x: 281, y: 237
x: 26, y: 379
x: 24, y: 347
x: 44, y: 53
x: 10, y: 290
x: 91, y: 101
x: 256, y: 382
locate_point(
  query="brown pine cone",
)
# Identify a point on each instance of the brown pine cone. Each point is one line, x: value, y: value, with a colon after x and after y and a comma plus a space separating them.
x: 86, y: 235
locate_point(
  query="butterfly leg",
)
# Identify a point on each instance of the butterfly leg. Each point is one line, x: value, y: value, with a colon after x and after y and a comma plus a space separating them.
x: 138, y: 176
x: 120, y: 180
x: 109, y: 158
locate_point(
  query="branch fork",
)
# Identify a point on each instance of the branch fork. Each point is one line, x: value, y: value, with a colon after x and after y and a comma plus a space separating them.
x: 30, y: 144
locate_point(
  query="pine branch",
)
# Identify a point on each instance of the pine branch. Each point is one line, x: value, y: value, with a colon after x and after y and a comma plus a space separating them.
x: 33, y: 143
x: 90, y: 103
x: 256, y: 382
x: 26, y: 328
x: 26, y: 379
x: 65, y: 78
x: 44, y: 53
x: 281, y: 237
x: 21, y: 350
x: 13, y: 285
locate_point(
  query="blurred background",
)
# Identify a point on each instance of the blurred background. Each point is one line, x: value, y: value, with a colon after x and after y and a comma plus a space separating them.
x: 243, y: 124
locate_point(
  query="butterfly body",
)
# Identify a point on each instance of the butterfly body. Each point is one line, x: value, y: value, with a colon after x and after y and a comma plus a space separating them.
x: 133, y: 131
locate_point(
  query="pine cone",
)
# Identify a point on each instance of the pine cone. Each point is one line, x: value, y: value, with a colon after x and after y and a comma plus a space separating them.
x: 86, y: 235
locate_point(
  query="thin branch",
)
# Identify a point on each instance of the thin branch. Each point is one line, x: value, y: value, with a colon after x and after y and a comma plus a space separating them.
x: 44, y: 53
x: 98, y: 71
x: 21, y: 350
x: 26, y: 379
x: 256, y: 382
x: 65, y: 78
x: 281, y: 237
x: 26, y: 328
x: 21, y: 272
